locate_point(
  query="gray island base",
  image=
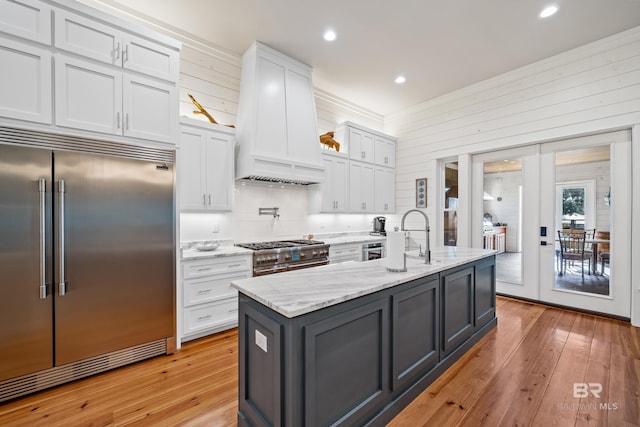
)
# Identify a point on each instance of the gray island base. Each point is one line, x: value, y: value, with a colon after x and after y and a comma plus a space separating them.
x: 353, y: 344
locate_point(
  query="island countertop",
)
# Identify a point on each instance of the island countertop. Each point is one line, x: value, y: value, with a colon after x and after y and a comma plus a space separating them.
x: 295, y: 293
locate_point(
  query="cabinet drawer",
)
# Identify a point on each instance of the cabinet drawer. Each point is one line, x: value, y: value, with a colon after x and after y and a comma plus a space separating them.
x: 210, y: 315
x: 206, y: 289
x: 214, y: 266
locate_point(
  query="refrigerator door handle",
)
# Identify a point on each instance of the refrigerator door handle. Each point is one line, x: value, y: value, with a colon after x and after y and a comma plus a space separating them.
x: 62, y: 287
x: 42, y: 188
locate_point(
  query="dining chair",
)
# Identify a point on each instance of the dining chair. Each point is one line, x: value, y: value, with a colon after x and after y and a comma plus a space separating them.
x: 589, y: 235
x: 603, y: 253
x: 572, y: 248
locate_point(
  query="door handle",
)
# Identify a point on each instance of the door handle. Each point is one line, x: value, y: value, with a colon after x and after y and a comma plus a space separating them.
x: 62, y: 286
x: 42, y: 188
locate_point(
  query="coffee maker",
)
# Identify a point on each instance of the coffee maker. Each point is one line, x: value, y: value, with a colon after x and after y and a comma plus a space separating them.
x: 378, y: 226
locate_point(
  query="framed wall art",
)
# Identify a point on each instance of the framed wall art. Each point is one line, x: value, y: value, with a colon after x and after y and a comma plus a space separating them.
x: 421, y: 193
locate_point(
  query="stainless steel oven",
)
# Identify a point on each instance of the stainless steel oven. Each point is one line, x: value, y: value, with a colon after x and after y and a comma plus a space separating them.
x: 287, y: 255
x: 374, y: 250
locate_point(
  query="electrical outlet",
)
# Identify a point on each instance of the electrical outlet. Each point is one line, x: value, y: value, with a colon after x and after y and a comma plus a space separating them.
x: 215, y: 228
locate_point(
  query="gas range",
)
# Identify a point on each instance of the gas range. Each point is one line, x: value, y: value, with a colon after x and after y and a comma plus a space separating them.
x: 286, y: 255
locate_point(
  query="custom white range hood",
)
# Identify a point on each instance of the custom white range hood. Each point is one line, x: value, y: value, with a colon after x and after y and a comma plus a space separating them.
x: 277, y: 132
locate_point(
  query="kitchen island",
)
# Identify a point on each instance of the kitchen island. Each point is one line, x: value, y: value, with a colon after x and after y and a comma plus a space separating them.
x: 352, y: 343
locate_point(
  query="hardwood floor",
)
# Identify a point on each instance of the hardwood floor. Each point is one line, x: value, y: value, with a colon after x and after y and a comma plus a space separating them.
x: 522, y: 373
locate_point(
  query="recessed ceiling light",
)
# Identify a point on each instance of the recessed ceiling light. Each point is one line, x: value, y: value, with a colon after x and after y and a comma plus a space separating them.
x: 400, y: 80
x: 548, y: 11
x: 329, y: 35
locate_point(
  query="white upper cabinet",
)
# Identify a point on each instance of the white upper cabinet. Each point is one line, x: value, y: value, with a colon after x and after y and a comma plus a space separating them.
x: 29, y: 19
x: 331, y: 195
x: 102, y: 74
x: 361, y: 187
x: 360, y: 145
x: 86, y: 37
x: 25, y: 82
x: 385, y: 151
x: 385, y: 194
x: 205, y: 166
x: 88, y: 96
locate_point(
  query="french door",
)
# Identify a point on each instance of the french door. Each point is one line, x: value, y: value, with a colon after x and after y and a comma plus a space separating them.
x: 533, y: 192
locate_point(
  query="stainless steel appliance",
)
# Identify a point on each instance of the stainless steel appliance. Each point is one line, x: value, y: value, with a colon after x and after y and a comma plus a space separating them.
x: 378, y: 226
x: 86, y: 258
x: 286, y: 255
x: 373, y: 250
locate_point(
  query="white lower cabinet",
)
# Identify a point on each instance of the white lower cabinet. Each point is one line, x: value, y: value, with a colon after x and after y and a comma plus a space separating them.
x: 209, y: 303
x: 343, y: 253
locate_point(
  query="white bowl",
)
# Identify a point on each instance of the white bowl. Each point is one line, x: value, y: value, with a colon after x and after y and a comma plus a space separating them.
x: 206, y: 246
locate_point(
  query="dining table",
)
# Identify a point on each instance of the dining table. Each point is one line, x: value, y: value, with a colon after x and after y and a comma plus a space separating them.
x: 594, y: 245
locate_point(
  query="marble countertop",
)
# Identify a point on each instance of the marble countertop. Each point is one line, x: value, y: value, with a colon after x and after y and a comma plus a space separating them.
x: 222, y: 251
x: 355, y: 239
x: 295, y: 293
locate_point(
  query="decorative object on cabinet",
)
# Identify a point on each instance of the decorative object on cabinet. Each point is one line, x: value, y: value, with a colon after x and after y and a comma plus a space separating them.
x: 421, y: 193
x: 201, y: 110
x: 327, y: 139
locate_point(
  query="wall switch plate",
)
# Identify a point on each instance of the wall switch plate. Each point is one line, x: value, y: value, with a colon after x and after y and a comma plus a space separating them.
x: 261, y: 341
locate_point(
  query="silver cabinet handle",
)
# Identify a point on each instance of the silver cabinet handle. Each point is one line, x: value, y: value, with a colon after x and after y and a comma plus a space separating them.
x: 234, y: 265
x: 207, y: 317
x: 116, y: 52
x: 204, y: 200
x: 205, y: 291
x: 42, y: 188
x: 126, y: 121
x: 209, y: 199
x: 125, y: 54
x: 62, y: 287
x: 118, y: 120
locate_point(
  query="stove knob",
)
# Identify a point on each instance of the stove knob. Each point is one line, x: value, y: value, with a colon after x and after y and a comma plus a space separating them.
x: 287, y: 257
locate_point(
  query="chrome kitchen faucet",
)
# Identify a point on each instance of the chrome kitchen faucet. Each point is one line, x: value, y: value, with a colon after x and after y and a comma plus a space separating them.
x: 427, y: 252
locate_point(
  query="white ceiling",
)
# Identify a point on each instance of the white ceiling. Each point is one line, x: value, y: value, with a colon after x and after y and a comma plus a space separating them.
x: 440, y: 46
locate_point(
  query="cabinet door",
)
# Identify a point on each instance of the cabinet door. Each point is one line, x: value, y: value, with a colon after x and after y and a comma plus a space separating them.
x: 191, y: 173
x: 25, y: 82
x: 346, y: 367
x: 29, y: 19
x: 149, y: 58
x: 340, y: 180
x: 360, y: 145
x: 86, y: 37
x: 88, y: 96
x: 385, y: 152
x: 361, y: 192
x: 485, y: 291
x: 150, y: 109
x: 457, y: 292
x: 384, y: 190
x: 219, y: 172
x: 327, y: 201
x: 414, y: 320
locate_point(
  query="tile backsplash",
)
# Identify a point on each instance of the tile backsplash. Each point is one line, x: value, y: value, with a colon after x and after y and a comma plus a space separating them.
x: 244, y: 224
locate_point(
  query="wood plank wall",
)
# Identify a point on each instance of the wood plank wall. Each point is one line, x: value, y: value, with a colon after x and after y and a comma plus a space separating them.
x: 586, y: 90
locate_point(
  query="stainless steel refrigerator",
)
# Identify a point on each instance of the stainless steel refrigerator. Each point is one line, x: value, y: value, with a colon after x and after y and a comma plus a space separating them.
x: 87, y: 270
